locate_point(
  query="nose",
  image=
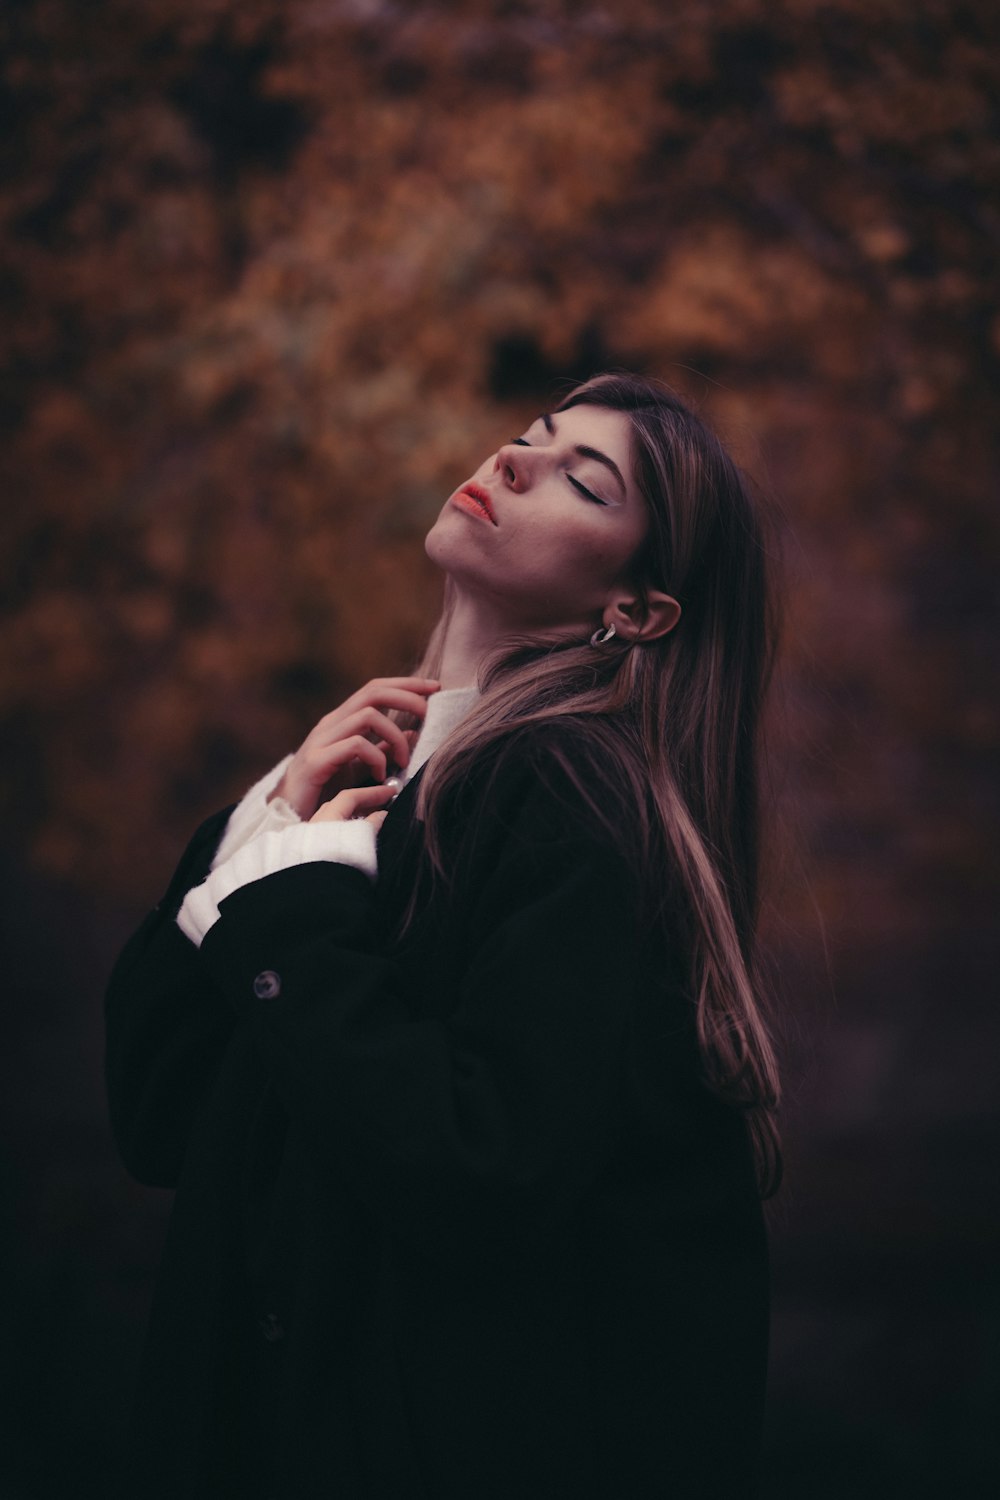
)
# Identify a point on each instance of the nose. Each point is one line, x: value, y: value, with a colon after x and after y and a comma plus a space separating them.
x: 510, y: 462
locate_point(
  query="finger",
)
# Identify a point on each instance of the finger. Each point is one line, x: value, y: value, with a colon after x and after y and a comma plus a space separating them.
x: 411, y: 739
x: 413, y: 683
x: 371, y: 722
x: 355, y: 802
x: 354, y: 747
x: 368, y: 722
x: 378, y: 695
x: 382, y: 690
x: 377, y: 819
x: 366, y: 799
x: 385, y: 747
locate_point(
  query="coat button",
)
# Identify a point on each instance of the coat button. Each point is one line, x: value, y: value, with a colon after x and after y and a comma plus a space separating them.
x: 267, y: 985
x: 272, y: 1328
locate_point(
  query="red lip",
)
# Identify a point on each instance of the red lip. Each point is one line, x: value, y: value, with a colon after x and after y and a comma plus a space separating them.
x: 480, y: 502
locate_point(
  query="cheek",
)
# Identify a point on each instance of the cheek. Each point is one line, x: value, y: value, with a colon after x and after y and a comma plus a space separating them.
x: 571, y: 565
x: 597, y: 554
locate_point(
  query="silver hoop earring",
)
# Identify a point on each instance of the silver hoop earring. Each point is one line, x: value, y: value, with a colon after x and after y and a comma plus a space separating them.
x: 600, y: 636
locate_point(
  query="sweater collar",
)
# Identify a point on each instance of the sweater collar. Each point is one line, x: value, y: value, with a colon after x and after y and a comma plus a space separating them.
x: 445, y: 710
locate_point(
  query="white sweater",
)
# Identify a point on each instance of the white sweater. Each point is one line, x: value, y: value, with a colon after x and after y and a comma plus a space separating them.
x: 262, y: 837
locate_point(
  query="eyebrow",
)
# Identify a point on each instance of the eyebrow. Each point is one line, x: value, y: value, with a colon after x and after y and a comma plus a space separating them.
x: 585, y: 452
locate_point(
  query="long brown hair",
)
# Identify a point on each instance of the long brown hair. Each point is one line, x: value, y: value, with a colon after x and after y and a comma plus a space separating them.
x: 667, y: 725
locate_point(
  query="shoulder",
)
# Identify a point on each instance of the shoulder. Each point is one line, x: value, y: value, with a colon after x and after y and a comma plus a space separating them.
x: 196, y: 861
x: 556, y: 812
x: 588, y: 766
x: 571, y: 779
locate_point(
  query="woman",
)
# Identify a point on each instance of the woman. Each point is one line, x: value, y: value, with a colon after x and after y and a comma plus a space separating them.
x: 460, y: 1073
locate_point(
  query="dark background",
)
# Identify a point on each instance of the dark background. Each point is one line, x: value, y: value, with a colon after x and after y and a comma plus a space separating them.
x: 273, y: 279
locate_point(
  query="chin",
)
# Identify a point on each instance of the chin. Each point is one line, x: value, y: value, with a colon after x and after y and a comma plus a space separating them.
x: 444, y: 542
x: 432, y: 542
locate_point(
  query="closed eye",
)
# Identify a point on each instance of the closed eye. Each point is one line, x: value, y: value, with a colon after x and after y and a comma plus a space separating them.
x: 523, y: 442
x: 584, y: 491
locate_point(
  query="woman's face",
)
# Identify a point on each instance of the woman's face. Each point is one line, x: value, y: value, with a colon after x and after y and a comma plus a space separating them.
x: 546, y: 527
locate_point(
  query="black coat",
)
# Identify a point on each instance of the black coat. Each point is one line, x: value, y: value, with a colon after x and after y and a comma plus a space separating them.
x: 455, y: 1218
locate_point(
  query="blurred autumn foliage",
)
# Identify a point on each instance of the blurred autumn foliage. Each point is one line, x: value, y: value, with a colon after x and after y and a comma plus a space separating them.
x: 274, y: 277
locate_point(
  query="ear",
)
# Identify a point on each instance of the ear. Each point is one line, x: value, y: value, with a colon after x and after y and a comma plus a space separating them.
x: 634, y: 623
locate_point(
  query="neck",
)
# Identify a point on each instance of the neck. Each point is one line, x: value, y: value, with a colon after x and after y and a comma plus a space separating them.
x: 473, y: 630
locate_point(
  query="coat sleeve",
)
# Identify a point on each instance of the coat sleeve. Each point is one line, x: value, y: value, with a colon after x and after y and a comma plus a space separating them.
x: 484, y: 1129
x: 166, y: 1027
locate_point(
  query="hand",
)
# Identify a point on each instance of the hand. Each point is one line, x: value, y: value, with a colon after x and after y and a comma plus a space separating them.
x: 340, y: 750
